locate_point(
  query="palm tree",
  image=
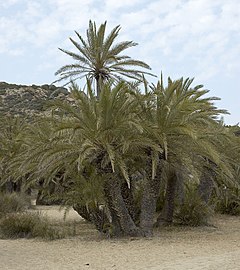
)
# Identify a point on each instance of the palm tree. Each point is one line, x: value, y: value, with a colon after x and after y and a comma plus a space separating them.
x: 177, y: 118
x: 102, y: 133
x: 99, y: 58
x: 199, y: 130
x: 227, y: 187
x: 101, y: 146
x: 10, y: 146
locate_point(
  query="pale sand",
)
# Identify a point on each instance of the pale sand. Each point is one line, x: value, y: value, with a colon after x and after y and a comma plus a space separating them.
x: 171, y: 248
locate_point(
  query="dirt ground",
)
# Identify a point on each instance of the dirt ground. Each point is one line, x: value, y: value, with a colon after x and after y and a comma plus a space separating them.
x: 171, y: 248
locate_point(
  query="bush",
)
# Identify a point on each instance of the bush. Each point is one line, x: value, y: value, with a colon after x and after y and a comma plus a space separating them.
x: 13, y: 202
x: 17, y: 225
x: 46, y: 231
x: 193, y: 211
x: 227, y: 201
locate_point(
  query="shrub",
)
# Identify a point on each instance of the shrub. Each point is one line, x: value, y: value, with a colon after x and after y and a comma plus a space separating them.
x: 46, y: 231
x: 193, y: 211
x: 13, y: 202
x: 227, y: 201
x: 17, y: 225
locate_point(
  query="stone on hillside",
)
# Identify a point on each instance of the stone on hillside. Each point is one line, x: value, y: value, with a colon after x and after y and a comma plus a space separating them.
x: 28, y: 100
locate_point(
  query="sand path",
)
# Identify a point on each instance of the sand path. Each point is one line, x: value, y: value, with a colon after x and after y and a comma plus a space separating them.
x: 205, y: 248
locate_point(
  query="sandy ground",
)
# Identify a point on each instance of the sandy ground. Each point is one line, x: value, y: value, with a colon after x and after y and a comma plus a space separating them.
x: 208, y: 248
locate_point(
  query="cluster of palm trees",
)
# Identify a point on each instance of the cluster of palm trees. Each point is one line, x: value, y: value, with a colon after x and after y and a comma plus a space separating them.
x: 117, y: 151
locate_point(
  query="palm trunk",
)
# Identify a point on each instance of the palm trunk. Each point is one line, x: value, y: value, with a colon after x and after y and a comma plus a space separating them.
x: 166, y: 216
x: 82, y: 211
x: 115, y: 224
x: 98, y: 83
x: 99, y: 219
x: 127, y: 194
x: 149, y: 200
x: 9, y: 186
x: 96, y: 216
x: 121, y: 220
x: 118, y: 206
x: 206, y: 185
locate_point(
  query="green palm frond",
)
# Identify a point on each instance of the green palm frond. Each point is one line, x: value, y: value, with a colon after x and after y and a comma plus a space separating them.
x: 99, y: 57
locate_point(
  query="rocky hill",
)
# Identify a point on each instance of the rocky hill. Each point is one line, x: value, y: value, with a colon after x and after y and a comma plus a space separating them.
x: 24, y: 100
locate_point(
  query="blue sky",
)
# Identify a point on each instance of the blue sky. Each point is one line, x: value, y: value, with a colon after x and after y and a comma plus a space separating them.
x: 189, y: 38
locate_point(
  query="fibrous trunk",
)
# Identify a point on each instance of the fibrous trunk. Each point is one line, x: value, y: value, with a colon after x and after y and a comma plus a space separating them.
x: 97, y: 216
x: 115, y: 224
x: 119, y: 208
x: 166, y: 216
x: 149, y: 200
x: 128, y: 198
x: 206, y: 185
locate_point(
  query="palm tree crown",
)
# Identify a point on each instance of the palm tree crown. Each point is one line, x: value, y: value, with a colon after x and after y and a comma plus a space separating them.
x: 100, y: 58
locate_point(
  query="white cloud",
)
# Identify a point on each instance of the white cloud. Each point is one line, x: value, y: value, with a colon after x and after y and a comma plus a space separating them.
x: 114, y: 5
x: 201, y: 33
x: 8, y: 3
x: 196, y: 38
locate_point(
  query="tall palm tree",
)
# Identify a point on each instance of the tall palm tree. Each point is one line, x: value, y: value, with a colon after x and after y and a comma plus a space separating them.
x: 199, y: 130
x: 177, y: 118
x: 100, y: 58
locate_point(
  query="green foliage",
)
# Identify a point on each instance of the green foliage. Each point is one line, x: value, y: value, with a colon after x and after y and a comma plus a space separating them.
x: 10, y: 141
x: 86, y: 191
x: 227, y: 201
x: 44, y: 229
x: 121, y: 134
x: 99, y: 58
x: 99, y: 132
x: 193, y: 211
x: 226, y: 197
x: 114, y: 135
x: 18, y: 225
x: 13, y: 202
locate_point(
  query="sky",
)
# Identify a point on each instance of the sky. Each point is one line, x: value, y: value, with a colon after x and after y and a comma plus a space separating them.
x: 181, y: 38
